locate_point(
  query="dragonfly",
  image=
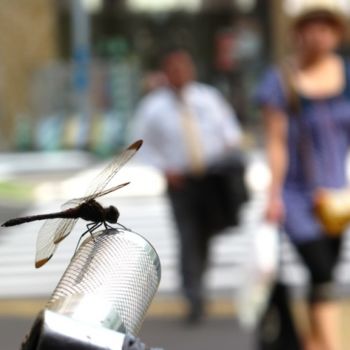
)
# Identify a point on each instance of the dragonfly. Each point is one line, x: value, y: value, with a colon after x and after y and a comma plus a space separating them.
x: 59, y: 225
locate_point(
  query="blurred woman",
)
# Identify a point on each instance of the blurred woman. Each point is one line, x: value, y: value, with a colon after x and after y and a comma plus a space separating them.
x: 305, y: 102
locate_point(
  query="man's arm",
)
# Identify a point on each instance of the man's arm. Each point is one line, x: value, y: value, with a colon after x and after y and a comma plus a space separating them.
x: 144, y: 126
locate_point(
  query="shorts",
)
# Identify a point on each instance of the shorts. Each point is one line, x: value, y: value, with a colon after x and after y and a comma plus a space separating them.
x: 320, y: 258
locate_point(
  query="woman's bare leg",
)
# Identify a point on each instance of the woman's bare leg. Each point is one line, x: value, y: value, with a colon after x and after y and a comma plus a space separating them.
x: 325, y: 323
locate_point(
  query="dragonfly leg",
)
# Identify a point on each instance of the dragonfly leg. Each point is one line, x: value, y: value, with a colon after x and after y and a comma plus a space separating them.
x: 124, y: 227
x: 107, y: 227
x: 90, y: 228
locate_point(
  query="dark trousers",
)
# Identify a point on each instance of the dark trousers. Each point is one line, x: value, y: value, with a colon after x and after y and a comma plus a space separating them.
x: 188, y: 206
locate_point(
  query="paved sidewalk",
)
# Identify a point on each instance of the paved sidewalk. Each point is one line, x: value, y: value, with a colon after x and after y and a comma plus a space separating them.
x: 163, y: 327
x: 169, y: 334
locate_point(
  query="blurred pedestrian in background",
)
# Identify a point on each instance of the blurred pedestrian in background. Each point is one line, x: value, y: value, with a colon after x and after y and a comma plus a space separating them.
x: 187, y: 126
x: 153, y: 80
x: 305, y: 102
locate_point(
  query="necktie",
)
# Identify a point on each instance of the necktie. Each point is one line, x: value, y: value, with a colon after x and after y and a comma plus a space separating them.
x: 192, y: 137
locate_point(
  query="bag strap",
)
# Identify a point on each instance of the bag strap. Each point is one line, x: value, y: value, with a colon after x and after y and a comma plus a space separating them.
x: 292, y: 97
x: 347, y: 78
x: 294, y: 104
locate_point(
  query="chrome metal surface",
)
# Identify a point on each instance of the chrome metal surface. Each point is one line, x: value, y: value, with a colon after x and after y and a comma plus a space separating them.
x: 53, y: 331
x: 110, y: 281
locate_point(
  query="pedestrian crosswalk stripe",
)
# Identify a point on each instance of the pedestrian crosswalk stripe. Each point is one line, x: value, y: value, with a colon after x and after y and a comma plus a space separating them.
x: 150, y: 216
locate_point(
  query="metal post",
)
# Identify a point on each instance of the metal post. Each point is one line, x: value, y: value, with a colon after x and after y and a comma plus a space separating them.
x: 279, y: 29
x: 81, y: 68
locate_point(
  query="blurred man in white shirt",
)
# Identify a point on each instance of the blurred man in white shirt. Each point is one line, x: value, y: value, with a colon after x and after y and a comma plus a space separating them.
x: 186, y: 126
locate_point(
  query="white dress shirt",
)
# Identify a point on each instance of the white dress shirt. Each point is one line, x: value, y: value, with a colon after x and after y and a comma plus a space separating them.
x: 158, y: 123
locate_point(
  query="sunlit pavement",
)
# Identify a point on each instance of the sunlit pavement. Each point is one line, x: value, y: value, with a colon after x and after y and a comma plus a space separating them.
x: 169, y: 334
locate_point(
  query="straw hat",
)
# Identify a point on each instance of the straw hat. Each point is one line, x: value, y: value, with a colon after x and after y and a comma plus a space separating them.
x: 329, y: 14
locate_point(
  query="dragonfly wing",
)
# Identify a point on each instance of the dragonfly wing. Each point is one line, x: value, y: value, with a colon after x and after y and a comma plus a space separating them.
x: 100, y: 182
x: 106, y: 175
x: 77, y: 201
x: 73, y: 203
x: 64, y: 229
x: 103, y: 193
x: 51, y: 233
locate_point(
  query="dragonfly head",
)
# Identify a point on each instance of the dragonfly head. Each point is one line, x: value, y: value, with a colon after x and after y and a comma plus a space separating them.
x: 112, y: 214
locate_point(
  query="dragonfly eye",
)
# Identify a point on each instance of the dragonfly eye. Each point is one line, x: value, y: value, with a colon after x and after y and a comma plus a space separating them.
x: 112, y: 214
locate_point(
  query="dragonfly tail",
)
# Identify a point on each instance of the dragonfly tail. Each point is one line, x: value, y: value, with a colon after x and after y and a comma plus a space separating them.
x: 24, y: 219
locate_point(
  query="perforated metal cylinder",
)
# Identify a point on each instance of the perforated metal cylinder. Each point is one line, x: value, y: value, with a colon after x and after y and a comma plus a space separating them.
x: 110, y: 281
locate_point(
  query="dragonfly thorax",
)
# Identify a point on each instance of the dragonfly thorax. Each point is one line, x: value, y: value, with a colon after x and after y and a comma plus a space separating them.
x: 112, y: 214
x: 95, y: 212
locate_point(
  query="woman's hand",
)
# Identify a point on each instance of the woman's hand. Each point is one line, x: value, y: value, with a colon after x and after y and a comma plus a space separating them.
x: 274, y: 212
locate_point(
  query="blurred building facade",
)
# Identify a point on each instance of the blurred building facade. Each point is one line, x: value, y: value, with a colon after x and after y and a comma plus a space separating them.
x: 27, y: 32
x: 43, y: 70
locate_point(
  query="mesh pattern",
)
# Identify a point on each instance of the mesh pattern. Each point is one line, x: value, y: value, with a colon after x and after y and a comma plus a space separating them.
x: 119, y: 267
